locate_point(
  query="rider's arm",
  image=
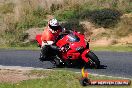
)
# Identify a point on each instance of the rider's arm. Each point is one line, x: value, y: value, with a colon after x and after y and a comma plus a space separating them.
x: 46, y: 38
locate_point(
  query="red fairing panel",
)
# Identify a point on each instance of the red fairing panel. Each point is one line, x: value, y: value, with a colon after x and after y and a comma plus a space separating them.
x: 73, y: 55
x: 84, y: 55
x: 38, y: 38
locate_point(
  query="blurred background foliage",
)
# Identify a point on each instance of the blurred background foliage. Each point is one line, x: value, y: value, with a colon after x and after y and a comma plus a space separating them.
x: 16, y: 16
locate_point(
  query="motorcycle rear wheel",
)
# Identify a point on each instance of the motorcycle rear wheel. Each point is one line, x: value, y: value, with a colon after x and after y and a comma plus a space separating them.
x: 93, y: 60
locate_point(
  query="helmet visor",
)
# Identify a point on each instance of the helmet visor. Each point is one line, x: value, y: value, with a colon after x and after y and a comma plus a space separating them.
x: 55, y: 28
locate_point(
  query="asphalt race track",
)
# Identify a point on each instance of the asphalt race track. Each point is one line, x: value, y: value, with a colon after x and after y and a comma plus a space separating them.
x: 113, y: 63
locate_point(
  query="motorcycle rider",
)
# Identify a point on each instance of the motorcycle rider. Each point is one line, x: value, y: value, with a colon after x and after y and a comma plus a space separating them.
x: 48, y: 38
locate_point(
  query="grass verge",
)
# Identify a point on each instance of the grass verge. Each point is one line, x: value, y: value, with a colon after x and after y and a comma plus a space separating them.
x: 20, y: 48
x: 95, y: 48
x: 55, y: 79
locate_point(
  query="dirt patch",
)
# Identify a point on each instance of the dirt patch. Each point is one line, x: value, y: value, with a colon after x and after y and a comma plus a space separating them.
x: 32, y: 32
x: 126, y: 40
x: 100, y: 36
x: 97, y: 36
x: 14, y: 76
x: 104, y: 41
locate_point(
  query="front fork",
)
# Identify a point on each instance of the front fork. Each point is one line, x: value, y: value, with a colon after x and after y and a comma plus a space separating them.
x: 84, y: 58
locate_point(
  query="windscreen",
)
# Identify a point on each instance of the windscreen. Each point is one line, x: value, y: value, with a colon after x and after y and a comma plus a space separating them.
x: 73, y: 38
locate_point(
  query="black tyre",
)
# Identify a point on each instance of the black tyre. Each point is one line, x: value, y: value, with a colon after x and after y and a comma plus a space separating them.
x: 93, y: 60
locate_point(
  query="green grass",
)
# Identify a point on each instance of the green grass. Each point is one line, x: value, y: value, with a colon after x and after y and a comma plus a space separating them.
x: 113, y: 48
x: 94, y: 48
x: 20, y: 48
x: 56, y: 79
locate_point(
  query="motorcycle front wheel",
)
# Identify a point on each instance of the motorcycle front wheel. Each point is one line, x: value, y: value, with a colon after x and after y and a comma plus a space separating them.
x: 93, y: 60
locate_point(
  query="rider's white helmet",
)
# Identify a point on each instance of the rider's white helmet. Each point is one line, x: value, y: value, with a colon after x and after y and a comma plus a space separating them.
x: 53, y: 22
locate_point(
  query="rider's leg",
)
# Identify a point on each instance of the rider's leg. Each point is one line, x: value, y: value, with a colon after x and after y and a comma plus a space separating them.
x: 54, y: 50
x: 48, y: 51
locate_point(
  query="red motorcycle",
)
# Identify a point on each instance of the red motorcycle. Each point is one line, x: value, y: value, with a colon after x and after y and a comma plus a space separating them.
x: 74, y: 50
